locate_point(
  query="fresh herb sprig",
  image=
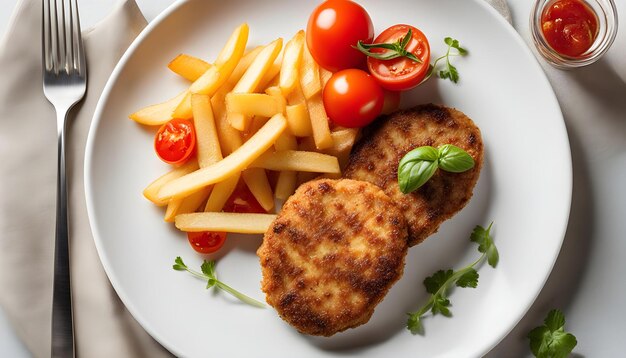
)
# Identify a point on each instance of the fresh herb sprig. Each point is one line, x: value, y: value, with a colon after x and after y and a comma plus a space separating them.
x: 551, y: 340
x: 394, y: 50
x: 439, y: 284
x: 449, y: 71
x: 420, y: 164
x: 208, y: 274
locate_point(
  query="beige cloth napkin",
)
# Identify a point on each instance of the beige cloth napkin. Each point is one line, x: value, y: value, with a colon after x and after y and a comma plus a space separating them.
x: 28, y: 188
x: 28, y: 192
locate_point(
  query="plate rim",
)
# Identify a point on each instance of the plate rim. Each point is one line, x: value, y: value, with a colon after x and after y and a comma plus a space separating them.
x: 173, y: 8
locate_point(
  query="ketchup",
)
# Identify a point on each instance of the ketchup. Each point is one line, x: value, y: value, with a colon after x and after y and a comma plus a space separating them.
x: 569, y: 26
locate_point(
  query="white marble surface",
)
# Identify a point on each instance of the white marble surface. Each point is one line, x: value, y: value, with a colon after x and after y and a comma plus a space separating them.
x: 587, y: 281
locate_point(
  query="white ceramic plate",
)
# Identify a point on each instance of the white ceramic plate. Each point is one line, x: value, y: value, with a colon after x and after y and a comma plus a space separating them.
x: 525, y: 187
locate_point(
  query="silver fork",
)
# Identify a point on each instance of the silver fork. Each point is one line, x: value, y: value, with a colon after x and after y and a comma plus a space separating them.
x: 64, y: 84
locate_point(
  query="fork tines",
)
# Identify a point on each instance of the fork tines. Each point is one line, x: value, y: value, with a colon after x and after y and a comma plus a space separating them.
x: 62, y: 41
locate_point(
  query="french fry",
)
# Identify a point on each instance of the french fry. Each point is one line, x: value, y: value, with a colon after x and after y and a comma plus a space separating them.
x: 319, y: 122
x: 271, y: 76
x: 291, y: 63
x: 298, y: 120
x: 343, y: 140
x: 226, y: 62
x: 221, y: 192
x: 228, y: 222
x: 158, y: 114
x: 188, y: 67
x: 185, y: 205
x: 183, y: 110
x: 286, y: 184
x: 309, y: 75
x: 299, y: 161
x: 239, y: 121
x: 150, y: 192
x: 230, y: 138
x: 256, y: 180
x: 208, y: 149
x: 256, y: 123
x: 254, y: 104
x: 325, y: 75
x: 235, y: 162
x: 286, y: 141
x: 258, y: 68
x: 241, y: 68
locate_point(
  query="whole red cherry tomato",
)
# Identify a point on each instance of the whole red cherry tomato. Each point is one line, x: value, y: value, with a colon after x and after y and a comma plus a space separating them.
x: 175, y: 141
x: 353, y: 98
x: 401, y: 73
x: 334, y: 27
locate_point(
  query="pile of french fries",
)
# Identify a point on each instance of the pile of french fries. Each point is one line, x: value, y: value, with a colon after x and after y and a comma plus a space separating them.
x: 253, y: 111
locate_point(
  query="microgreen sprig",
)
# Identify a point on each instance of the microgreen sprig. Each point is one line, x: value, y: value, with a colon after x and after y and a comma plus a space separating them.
x: 449, y: 71
x: 439, y: 284
x: 208, y: 274
x: 394, y: 50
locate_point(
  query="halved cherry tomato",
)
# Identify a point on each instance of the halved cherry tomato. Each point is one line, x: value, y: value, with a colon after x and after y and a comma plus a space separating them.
x: 240, y: 201
x: 206, y: 242
x: 334, y: 27
x: 243, y: 201
x: 401, y: 73
x: 175, y: 141
x: 353, y: 98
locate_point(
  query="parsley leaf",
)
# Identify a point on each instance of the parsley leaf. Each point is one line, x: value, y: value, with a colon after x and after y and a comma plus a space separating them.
x: 441, y: 281
x: 551, y: 340
x: 449, y: 71
x: 209, y: 274
x: 468, y: 279
x: 482, y: 237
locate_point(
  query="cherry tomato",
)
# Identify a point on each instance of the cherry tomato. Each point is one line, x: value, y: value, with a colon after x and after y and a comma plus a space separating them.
x: 352, y: 98
x: 175, y: 141
x: 569, y: 26
x: 401, y: 73
x: 206, y: 242
x: 242, y: 201
x: 334, y: 27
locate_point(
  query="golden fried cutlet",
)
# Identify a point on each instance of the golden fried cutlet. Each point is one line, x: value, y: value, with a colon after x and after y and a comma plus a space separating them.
x: 376, y: 156
x: 331, y: 255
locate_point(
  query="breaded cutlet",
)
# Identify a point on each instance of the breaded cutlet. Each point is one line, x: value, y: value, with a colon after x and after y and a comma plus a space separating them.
x: 376, y: 156
x: 331, y: 255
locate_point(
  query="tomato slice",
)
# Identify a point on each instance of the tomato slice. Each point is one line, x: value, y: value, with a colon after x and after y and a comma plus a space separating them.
x: 353, y: 98
x: 333, y: 28
x: 175, y: 141
x: 401, y: 73
x: 206, y: 242
x: 243, y: 201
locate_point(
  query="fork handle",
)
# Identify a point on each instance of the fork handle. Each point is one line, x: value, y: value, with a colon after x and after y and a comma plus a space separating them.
x: 62, y: 318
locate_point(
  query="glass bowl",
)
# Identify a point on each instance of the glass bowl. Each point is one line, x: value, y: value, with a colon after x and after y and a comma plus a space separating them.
x: 606, y: 12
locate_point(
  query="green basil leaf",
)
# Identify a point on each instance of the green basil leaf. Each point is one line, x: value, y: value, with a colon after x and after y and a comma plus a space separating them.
x: 454, y: 159
x: 416, y: 167
x: 428, y: 153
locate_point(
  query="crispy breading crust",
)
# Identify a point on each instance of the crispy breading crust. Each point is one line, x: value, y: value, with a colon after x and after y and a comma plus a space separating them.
x: 331, y: 255
x: 376, y: 156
